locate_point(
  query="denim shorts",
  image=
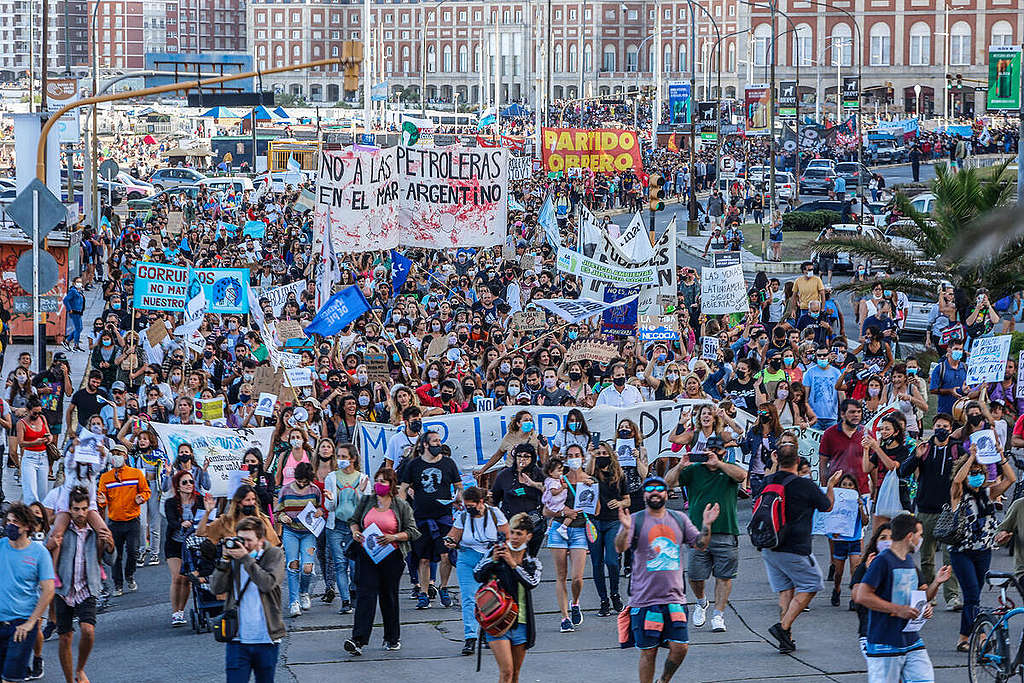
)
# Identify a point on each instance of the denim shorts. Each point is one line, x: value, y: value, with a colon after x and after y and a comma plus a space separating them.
x: 577, y: 537
x: 914, y: 666
x: 843, y: 549
x: 515, y: 635
x: 655, y: 625
x: 789, y: 571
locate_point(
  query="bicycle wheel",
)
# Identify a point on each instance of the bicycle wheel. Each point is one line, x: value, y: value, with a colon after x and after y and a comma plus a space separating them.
x: 988, y: 658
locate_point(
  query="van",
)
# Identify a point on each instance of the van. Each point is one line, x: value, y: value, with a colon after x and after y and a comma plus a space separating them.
x: 225, y: 183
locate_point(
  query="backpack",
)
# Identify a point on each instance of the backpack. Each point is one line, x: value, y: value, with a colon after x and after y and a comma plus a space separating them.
x: 496, y: 611
x: 767, y: 527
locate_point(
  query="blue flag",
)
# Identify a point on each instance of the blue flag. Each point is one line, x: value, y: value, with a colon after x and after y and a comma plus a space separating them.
x: 547, y: 220
x: 230, y: 230
x: 254, y: 229
x: 339, y: 311
x: 184, y: 245
x: 400, y: 267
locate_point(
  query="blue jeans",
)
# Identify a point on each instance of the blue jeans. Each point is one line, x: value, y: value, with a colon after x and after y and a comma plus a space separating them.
x: 824, y: 423
x: 468, y: 586
x: 241, y: 661
x: 75, y: 323
x: 602, y: 554
x: 299, y: 548
x: 338, y: 539
x: 16, y: 658
x: 970, y: 567
x: 35, y: 470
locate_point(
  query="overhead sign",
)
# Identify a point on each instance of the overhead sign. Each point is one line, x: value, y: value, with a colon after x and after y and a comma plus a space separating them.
x: 679, y: 103
x: 606, y: 150
x: 1004, y: 65
x: 787, y: 99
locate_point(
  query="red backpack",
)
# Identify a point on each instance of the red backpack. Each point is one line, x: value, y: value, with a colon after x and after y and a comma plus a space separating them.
x: 767, y: 526
x: 496, y: 611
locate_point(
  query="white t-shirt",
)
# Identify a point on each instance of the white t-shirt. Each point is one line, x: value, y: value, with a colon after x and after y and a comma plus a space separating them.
x: 563, y: 439
x: 479, y: 533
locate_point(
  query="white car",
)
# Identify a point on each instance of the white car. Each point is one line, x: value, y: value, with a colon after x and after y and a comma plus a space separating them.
x: 907, y: 246
x: 842, y: 258
x: 133, y: 187
x: 785, y: 185
x: 225, y: 183
x: 924, y: 202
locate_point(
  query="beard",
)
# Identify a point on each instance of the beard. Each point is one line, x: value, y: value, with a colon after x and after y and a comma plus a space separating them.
x: 656, y: 503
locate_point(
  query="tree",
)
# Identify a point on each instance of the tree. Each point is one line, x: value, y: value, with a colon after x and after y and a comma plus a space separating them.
x: 965, y: 203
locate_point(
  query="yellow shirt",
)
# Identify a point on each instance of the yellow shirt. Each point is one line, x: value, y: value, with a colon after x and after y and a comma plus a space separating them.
x: 808, y: 289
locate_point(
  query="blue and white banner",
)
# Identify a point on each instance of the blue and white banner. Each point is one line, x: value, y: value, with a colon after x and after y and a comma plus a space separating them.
x: 379, y: 92
x: 898, y: 127
x: 218, y: 451
x: 160, y: 287
x: 255, y: 229
x: 226, y: 289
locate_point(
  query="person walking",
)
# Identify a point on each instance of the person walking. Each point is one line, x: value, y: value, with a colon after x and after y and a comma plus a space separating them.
x: 343, y: 489
x: 122, y: 491
x: 74, y: 304
x: 33, y: 436
x: 78, y: 566
x: 251, y: 575
x: 657, y: 592
x: 793, y: 571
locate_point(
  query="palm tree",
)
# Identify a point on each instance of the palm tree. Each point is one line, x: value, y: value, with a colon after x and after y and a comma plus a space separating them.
x: 966, y: 204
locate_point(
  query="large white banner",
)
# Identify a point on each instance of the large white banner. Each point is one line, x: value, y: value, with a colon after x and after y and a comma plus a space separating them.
x: 356, y: 193
x: 723, y: 290
x: 662, y: 262
x: 634, y: 242
x: 519, y: 168
x: 221, y: 448
x: 474, y: 437
x: 278, y: 296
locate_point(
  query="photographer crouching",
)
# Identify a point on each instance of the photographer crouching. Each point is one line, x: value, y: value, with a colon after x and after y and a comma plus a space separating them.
x: 251, y: 572
x: 504, y: 605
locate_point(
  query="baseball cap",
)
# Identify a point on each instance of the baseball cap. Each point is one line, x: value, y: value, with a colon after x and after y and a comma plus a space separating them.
x: 714, y: 443
x: 60, y: 356
x: 118, y: 386
x: 119, y: 448
x: 655, y: 480
x: 524, y: 396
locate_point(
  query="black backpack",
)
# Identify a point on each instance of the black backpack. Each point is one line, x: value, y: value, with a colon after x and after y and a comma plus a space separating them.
x: 767, y: 527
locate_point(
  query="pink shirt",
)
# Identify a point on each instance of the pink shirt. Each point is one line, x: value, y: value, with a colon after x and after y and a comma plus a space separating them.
x: 386, y: 521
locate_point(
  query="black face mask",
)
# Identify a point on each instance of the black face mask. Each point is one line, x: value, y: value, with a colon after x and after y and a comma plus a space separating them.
x: 434, y: 450
x: 774, y: 364
x: 475, y: 512
x: 445, y: 396
x: 625, y: 433
x: 603, y: 462
x: 248, y: 510
x: 975, y: 420
x: 619, y: 381
x: 518, y: 372
x: 575, y: 376
x: 941, y: 433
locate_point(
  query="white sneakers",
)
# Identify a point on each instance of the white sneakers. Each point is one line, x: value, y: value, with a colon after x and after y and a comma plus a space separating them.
x: 304, y: 601
x: 718, y: 623
x: 700, y: 614
x: 295, y: 610
x: 178, y: 619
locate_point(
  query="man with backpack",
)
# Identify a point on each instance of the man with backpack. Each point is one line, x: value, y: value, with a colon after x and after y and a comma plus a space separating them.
x: 657, y: 591
x: 780, y: 528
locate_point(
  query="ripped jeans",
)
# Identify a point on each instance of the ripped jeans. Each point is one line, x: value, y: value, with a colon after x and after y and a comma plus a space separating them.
x: 300, y: 549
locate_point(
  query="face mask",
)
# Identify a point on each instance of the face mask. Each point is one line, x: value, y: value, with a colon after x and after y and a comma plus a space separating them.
x: 381, y: 488
x: 974, y: 420
x: 975, y: 480
x: 364, y: 400
x: 518, y: 372
x: 244, y: 398
x: 117, y: 461
x: 619, y: 381
x: 402, y: 329
x: 147, y: 379
x: 514, y: 389
x: 917, y: 546
x: 517, y: 548
x: 823, y: 362
x: 573, y: 426
x: 296, y: 443
x: 956, y: 354
x: 96, y: 429
x: 175, y: 379
x: 549, y: 382
x: 505, y: 368
x: 941, y: 433
x: 782, y: 393
x: 207, y: 355
x: 435, y: 328
x: 232, y: 326
x: 362, y: 377
x: 575, y: 463
x: 344, y: 464
x: 527, y: 426
x: 414, y: 425
x: 13, y: 531
x: 884, y: 545
x: 432, y: 373
x: 116, y: 307
x: 107, y: 342
x: 575, y: 376
x: 625, y: 433
x: 434, y: 450
x: 573, y: 334
x: 874, y: 391
x: 248, y: 510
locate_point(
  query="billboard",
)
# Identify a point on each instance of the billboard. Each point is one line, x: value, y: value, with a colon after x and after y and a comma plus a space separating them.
x: 605, y: 150
x: 851, y: 92
x: 756, y: 100
x: 1004, y: 78
x: 787, y: 99
x: 196, y: 66
x: 679, y: 105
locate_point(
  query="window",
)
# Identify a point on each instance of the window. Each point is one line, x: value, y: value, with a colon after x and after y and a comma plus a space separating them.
x: 762, y: 42
x: 920, y: 44
x: 667, y: 59
x: 1002, y: 34
x: 960, y: 44
x: 682, y: 57
x: 881, y: 44
x: 588, y: 57
x: 431, y: 59
x: 731, y: 58
x: 631, y: 59
x: 608, y: 61
x: 463, y: 58
x: 574, y: 64
x: 557, y: 62
x: 842, y: 45
x: 803, y: 46
x: 632, y: 15
x: 446, y: 58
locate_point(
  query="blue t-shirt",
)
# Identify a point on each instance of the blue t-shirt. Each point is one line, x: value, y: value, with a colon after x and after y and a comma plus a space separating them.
x: 944, y: 376
x: 892, y: 579
x: 821, y: 391
x: 22, y: 571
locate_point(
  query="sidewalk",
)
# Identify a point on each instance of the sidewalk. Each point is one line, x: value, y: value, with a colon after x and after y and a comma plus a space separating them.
x: 694, y: 246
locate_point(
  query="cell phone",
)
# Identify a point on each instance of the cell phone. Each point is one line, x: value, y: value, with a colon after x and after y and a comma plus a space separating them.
x: 595, y: 439
x: 698, y: 457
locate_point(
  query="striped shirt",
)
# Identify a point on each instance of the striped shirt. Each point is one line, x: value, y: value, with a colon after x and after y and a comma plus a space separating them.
x: 290, y: 502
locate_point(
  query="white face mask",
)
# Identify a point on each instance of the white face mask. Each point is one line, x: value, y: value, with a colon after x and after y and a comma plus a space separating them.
x: 344, y: 464
x: 575, y: 463
x: 96, y: 429
x: 884, y: 545
x: 517, y: 548
x: 117, y: 461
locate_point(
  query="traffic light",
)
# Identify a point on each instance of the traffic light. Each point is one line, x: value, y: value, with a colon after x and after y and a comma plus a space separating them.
x: 352, y: 52
x: 959, y: 80
x: 656, y: 192
x: 949, y: 81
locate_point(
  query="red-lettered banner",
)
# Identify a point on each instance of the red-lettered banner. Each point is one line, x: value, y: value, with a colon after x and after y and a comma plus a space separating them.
x: 602, y: 151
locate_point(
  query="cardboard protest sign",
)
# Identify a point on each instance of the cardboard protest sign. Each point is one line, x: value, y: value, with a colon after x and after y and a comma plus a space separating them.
x: 156, y: 332
x: 265, y: 404
x: 209, y: 409
x: 528, y: 321
x: 175, y: 221
x: 278, y: 296
x: 289, y: 329
x: 842, y: 519
x: 518, y: 168
x: 987, y: 361
x: 709, y: 348
x: 723, y: 290
x: 600, y: 352
x: 267, y: 381
x: 438, y: 346
x: 377, y: 366
x: 984, y: 440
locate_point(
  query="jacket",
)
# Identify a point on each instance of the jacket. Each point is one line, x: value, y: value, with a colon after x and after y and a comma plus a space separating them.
x: 267, y: 574
x: 527, y: 575
x: 402, y: 510
x: 331, y: 484
x: 66, y: 562
x: 120, y: 488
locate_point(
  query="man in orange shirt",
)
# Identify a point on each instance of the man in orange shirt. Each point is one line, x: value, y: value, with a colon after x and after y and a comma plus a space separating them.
x: 122, y: 490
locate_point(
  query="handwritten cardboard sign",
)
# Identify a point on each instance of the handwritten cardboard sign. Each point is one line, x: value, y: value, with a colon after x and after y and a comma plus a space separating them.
x: 600, y: 352
x: 377, y: 366
x: 289, y: 329
x: 267, y: 381
x: 529, y: 321
x: 438, y: 346
x: 156, y: 332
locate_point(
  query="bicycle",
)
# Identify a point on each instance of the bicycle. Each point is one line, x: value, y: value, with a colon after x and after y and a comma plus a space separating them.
x: 989, y: 649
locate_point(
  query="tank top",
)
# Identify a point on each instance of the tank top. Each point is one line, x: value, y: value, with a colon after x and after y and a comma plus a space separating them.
x: 34, y: 434
x: 288, y: 475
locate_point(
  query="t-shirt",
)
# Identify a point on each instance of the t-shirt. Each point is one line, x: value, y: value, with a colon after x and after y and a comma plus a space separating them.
x: 22, y: 570
x: 803, y: 497
x: 844, y: 453
x: 807, y: 289
x: 53, y: 398
x: 821, y: 391
x: 743, y: 394
x: 657, y: 577
x: 399, y: 446
x: 479, y: 533
x: 431, y: 483
x: 892, y: 579
x: 706, y: 486
x: 87, y: 405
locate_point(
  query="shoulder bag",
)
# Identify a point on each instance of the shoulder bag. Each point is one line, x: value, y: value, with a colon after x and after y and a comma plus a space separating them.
x: 225, y: 629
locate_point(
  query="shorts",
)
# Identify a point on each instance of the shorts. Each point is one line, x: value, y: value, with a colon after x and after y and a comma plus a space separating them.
x: 515, y: 635
x: 912, y: 667
x: 721, y: 559
x: 577, y: 538
x: 427, y: 546
x: 655, y: 625
x: 843, y: 549
x: 85, y: 611
x: 16, y: 658
x: 789, y: 571
x: 172, y: 549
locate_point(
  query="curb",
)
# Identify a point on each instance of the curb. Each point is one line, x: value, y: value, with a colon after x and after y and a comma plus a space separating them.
x: 782, y: 267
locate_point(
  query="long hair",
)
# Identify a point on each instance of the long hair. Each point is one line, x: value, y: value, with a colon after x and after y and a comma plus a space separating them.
x: 616, y: 473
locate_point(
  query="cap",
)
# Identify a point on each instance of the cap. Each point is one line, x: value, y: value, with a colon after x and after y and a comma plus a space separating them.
x: 524, y: 396
x: 60, y: 355
x: 118, y: 386
x: 315, y: 403
x: 654, y: 479
x: 119, y: 448
x: 714, y: 443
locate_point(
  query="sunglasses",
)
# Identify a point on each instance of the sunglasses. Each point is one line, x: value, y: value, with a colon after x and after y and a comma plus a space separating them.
x: 185, y: 482
x: 654, y: 488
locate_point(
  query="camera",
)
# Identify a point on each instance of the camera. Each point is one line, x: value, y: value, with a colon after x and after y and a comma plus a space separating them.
x: 699, y: 457
x: 501, y: 537
x: 233, y: 542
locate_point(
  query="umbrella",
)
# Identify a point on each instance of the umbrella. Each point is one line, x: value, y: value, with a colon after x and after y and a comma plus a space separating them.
x: 220, y: 113
x: 149, y: 140
x: 282, y: 113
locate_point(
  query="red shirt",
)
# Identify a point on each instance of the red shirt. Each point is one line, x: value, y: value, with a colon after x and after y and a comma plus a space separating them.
x: 844, y: 453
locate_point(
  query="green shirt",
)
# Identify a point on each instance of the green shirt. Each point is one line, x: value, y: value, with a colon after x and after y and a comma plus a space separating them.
x: 705, y: 486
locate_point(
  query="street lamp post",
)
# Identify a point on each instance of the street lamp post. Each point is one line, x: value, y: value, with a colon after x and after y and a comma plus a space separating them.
x: 917, y: 100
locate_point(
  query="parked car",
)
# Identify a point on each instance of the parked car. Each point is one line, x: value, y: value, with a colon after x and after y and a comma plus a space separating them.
x: 887, y: 151
x: 223, y: 183
x: 826, y: 164
x: 919, y: 310
x: 165, y: 178
x: 878, y: 213
x: 904, y: 244
x: 851, y: 171
x: 146, y: 203
x: 816, y: 180
x: 785, y: 185
x: 134, y: 188
x: 924, y: 202
x: 842, y: 258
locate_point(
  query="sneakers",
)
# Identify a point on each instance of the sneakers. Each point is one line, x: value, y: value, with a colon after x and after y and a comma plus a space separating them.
x: 567, y: 626
x: 423, y: 602
x: 786, y: 644
x: 445, y: 597
x: 295, y: 609
x: 835, y: 597
x: 353, y: 648
x: 432, y: 592
x: 154, y: 559
x: 576, y: 614
x: 616, y: 603
x: 414, y: 594
x: 954, y: 605
x: 469, y: 647
x: 131, y: 586
x: 700, y: 614
x: 605, y: 610
x: 328, y: 596
x: 397, y: 645
x: 178, y: 619
x: 304, y: 601
x: 140, y: 561
x: 718, y: 622
x: 49, y: 630
x: 37, y: 669
x: 346, y: 607
x: 118, y: 591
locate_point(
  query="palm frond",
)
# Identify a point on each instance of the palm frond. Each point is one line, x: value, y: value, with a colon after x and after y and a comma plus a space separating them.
x: 868, y: 247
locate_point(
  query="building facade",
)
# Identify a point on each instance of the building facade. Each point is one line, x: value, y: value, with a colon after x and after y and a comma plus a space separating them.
x: 67, y: 37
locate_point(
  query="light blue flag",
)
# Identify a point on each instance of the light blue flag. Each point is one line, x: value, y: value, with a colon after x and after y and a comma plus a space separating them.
x: 339, y: 311
x: 514, y: 204
x: 547, y: 220
x: 255, y: 229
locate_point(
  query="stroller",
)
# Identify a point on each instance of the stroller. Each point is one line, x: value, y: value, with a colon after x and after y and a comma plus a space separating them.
x: 197, y: 563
